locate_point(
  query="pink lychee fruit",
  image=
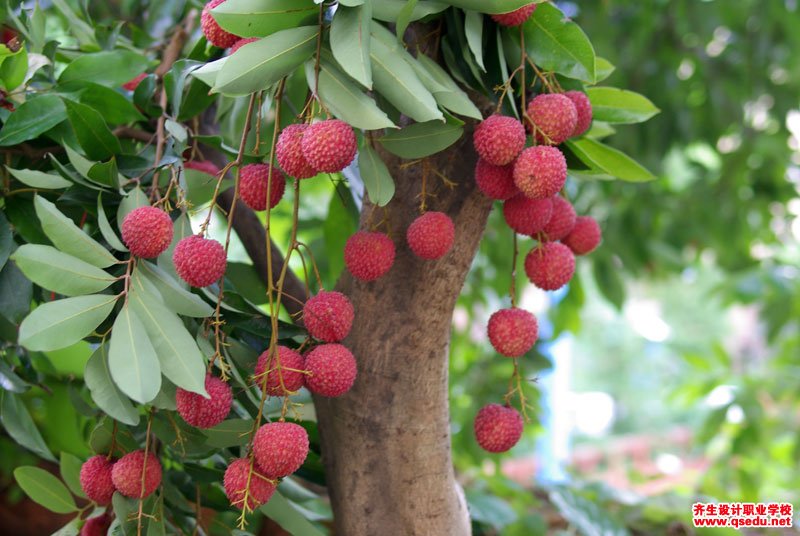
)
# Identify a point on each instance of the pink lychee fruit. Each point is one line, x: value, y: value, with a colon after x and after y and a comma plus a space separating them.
x: 133, y: 83
x: 496, y: 182
x: 561, y: 222
x: 368, y: 255
x: 242, y: 42
x: 515, y: 18
x: 241, y: 480
x: 550, y: 265
x: 499, y: 139
x: 212, y: 30
x: 584, y: 108
x: 331, y: 370
x: 289, y: 152
x: 584, y: 237
x: 498, y: 428
x: 540, y: 171
x: 431, y: 235
x: 96, y: 481
x: 202, y: 412
x: 329, y: 146
x: 199, y: 261
x: 513, y: 331
x: 204, y: 166
x: 98, y: 525
x: 253, y: 182
x: 280, y: 448
x: 284, y: 372
x: 554, y: 117
x: 527, y: 216
x: 128, y: 470
x: 328, y: 316
x: 147, y: 231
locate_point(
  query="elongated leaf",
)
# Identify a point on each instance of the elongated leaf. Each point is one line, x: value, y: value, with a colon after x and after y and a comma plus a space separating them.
x: 62, y: 323
x: 259, y: 18
x: 70, y: 469
x: 599, y: 156
x: 136, y: 198
x: 13, y: 70
x: 422, y: 139
x: 60, y: 272
x: 105, y: 227
x: 389, y: 10
x: 617, y: 106
x: 67, y: 237
x: 104, y: 391
x: 453, y: 98
x: 603, y: 69
x: 281, y: 510
x: 473, y: 28
x: 382, y: 34
x: 39, y: 179
x: 208, y: 73
x: 45, y: 489
x: 495, y: 6
x: 6, y: 240
x: 92, y: 131
x: 105, y: 173
x: 404, y: 19
x: 132, y: 359
x: 176, y: 298
x: 557, y: 44
x: 117, y: 110
x: 34, y: 117
x: 229, y: 433
x: 112, y: 68
x: 350, y: 42
x: 376, y: 176
x: 20, y: 426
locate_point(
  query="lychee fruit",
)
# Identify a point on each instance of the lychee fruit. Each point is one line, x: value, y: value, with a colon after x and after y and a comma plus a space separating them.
x: 584, y: 108
x: 513, y: 331
x: 215, y: 35
x: 280, y: 448
x: 96, y: 481
x: 242, y: 42
x: 204, y: 166
x: 331, y: 370
x: 368, y: 255
x: 133, y: 83
x: 199, y: 261
x: 147, y: 231
x: 498, y: 139
x: 561, y: 222
x: 540, y: 171
x: 128, y: 470
x: 527, y: 216
x: 431, y: 235
x: 554, y: 117
x: 584, y: 237
x: 289, y: 152
x: 202, y: 412
x: 329, y: 146
x: 515, y: 18
x: 496, y: 182
x: 241, y: 480
x: 284, y: 375
x: 328, y: 316
x: 98, y: 525
x: 497, y: 428
x: 550, y: 265
x: 253, y: 182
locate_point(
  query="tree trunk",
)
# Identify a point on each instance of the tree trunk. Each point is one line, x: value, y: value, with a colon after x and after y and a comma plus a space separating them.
x: 386, y: 444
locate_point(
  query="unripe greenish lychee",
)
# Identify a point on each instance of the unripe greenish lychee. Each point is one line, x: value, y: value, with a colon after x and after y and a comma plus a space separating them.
x: 554, y: 117
x: 128, y: 470
x: 499, y: 139
x: 331, y: 370
x: 147, y: 231
x: 280, y: 448
x: 199, y: 261
x: 431, y: 235
x: 540, y: 171
x: 550, y: 265
x: 497, y: 428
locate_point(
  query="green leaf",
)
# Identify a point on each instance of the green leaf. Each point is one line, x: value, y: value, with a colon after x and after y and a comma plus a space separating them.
x: 105, y: 173
x: 376, y: 176
x: 453, y: 98
x: 61, y: 323
x: 136, y: 198
x: 494, y: 7
x: 111, y: 68
x: 16, y: 292
x: 39, y: 179
x: 132, y: 359
x: 587, y: 516
x: 229, y: 433
x: 176, y: 298
x: 104, y: 391
x: 20, y: 426
x: 341, y: 222
x: 266, y: 61
x: 603, y: 69
x: 92, y: 131
x: 60, y: 272
x: 6, y: 240
x: 79, y: 27
x: 404, y: 19
x: 609, y: 281
x: 557, y: 44
x: 389, y: 10
x: 283, y: 512
x: 260, y: 18
x: 422, y: 139
x: 473, y: 28
x: 105, y: 227
x: 116, y: 109
x: 604, y: 158
x: 45, y: 489
x: 620, y: 106
x: 67, y: 237
x: 70, y: 469
x: 13, y: 70
x: 350, y: 42
x: 32, y: 118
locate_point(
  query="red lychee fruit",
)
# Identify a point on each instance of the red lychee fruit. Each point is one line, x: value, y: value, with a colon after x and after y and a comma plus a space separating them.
x: 496, y: 182
x: 554, y: 117
x: 584, y: 237
x: 431, y: 235
x: 329, y: 146
x: 215, y: 35
x: 540, y: 171
x: 499, y: 139
x: 550, y: 265
x: 253, y: 181
x: 527, y: 216
x: 284, y: 375
x: 497, y: 428
x: 515, y: 18
x: 331, y: 370
x: 127, y: 474
x: 147, y: 231
x: 241, y: 480
x: 513, y: 331
x: 584, y: 108
x: 280, y: 448
x: 98, y: 525
x: 368, y: 255
x: 133, y: 83
x: 242, y: 42
x: 202, y: 412
x: 328, y: 316
x: 204, y: 166
x: 199, y: 261
x: 289, y: 152
x: 561, y: 222
x: 96, y: 479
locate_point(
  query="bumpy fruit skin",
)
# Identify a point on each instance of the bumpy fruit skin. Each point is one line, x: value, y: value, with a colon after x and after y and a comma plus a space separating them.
x: 585, y: 236
x: 368, y: 255
x: 512, y: 331
x: 199, y: 261
x: 554, y: 117
x: 550, y: 265
x: 515, y: 18
x: 280, y: 448
x: 496, y: 182
x: 527, y: 216
x: 584, y: 109
x: 291, y: 366
x: 253, y: 181
x: 289, y: 152
x: 331, y: 370
x: 96, y: 479
x: 561, y: 222
x: 97, y: 526
x: 499, y: 139
x: 329, y: 146
x: 242, y: 42
x: 235, y: 483
x: 215, y: 35
x: 205, y: 166
x: 133, y: 83
x: 328, y: 316
x: 127, y: 474
x: 431, y: 235
x: 497, y: 428
x: 540, y: 171
x: 202, y: 412
x: 147, y: 231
